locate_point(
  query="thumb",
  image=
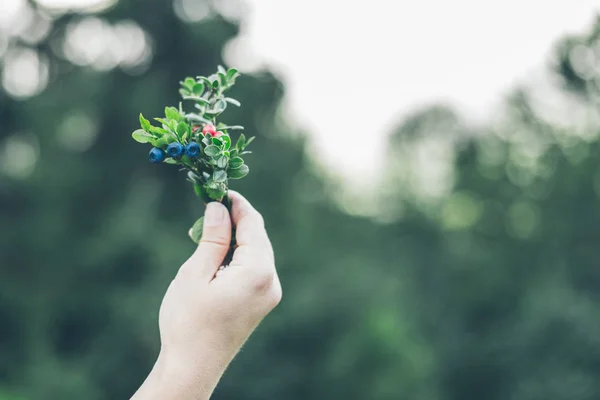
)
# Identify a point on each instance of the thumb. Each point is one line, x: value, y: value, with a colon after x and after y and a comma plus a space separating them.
x: 215, y: 241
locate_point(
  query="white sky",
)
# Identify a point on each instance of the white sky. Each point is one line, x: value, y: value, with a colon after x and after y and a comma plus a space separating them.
x: 469, y: 52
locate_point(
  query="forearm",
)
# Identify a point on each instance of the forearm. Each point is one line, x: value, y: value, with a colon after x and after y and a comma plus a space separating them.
x: 183, y: 378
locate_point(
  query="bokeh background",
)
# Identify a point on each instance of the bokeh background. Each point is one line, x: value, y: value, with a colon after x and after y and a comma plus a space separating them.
x: 427, y: 251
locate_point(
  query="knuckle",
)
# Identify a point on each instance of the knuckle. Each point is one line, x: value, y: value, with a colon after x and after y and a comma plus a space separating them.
x: 274, y: 296
x: 263, y: 280
x: 218, y: 240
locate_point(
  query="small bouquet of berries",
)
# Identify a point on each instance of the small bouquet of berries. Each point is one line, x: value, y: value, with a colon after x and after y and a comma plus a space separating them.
x: 197, y: 143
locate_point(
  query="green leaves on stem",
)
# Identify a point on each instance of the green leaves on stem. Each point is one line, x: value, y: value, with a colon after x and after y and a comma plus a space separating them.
x: 212, y: 151
x: 141, y: 136
x: 211, y: 158
x: 236, y: 162
x: 240, y: 172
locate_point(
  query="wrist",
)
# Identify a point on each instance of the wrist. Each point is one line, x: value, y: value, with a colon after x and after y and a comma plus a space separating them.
x: 188, y: 375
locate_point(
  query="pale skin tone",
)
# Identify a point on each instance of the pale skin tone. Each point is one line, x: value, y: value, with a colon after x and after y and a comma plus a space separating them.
x: 207, y: 314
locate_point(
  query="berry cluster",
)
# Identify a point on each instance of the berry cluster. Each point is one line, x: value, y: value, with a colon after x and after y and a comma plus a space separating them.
x: 176, y: 150
x: 196, y: 142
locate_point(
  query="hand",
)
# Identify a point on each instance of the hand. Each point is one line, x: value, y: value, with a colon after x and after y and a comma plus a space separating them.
x: 207, y: 314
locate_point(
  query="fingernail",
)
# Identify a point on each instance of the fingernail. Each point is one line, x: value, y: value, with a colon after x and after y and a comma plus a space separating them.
x: 215, y: 214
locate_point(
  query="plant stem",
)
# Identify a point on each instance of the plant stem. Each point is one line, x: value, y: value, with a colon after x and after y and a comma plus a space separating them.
x: 226, y: 201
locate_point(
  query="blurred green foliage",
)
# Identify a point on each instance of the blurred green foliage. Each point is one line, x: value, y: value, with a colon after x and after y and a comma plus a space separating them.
x: 483, y: 286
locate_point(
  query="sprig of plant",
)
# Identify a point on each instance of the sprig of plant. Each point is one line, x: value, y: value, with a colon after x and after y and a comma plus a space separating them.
x: 196, y: 142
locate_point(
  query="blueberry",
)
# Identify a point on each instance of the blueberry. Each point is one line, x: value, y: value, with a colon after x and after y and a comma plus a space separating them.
x: 192, y: 150
x: 175, y: 150
x: 157, y: 155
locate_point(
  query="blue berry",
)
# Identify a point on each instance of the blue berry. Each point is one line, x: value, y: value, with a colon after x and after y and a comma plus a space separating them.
x: 175, y: 150
x: 192, y: 150
x: 157, y: 155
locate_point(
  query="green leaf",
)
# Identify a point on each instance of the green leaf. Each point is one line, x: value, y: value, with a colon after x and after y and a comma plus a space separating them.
x: 217, y: 141
x: 241, y: 142
x: 200, y: 108
x: 188, y: 83
x: 162, y: 142
x: 196, y: 230
x: 207, y: 82
x: 198, y: 88
x: 194, y: 177
x: 197, y: 99
x: 221, y: 69
x: 215, y: 84
x: 222, y: 162
x: 227, y: 141
x: 219, y: 107
x: 185, y: 160
x: 239, y: 172
x: 170, y: 138
x: 219, y: 176
x: 172, y: 113
x: 201, y: 192
x: 182, y: 129
x: 223, y: 79
x: 212, y: 150
x: 196, y: 117
x: 215, y: 190
x: 236, y: 162
x: 216, y: 194
x: 145, y: 124
x: 158, y: 131
x: 232, y: 127
x: 171, y: 161
x: 232, y: 73
x: 141, y: 136
x: 226, y: 153
x: 249, y: 141
x: 162, y: 121
x: 233, y: 101
x: 234, y: 152
x: 184, y: 92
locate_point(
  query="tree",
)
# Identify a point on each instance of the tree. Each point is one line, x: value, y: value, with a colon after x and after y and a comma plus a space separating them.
x: 506, y: 286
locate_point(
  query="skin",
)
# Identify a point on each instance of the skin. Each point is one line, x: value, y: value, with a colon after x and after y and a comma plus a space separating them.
x: 207, y: 314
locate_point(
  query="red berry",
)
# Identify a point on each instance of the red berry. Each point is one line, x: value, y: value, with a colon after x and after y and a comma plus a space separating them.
x: 209, y: 129
x: 219, y: 133
x: 195, y: 128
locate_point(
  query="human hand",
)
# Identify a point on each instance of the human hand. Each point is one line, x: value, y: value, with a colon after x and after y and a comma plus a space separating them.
x: 207, y: 314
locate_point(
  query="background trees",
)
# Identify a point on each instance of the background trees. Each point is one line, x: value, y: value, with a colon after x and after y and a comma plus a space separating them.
x: 482, y: 282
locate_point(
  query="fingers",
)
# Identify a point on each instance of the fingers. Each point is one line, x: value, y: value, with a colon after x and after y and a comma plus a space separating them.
x: 214, y: 244
x: 249, y: 224
x: 254, y: 246
x: 254, y: 254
